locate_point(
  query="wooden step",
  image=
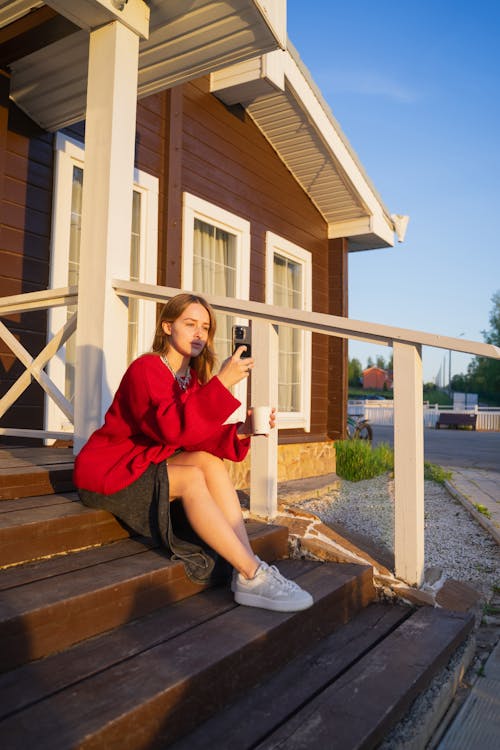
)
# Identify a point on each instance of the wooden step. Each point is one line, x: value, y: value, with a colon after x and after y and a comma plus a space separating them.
x: 40, y: 526
x: 264, y: 708
x: 158, y: 678
x: 358, y: 708
x: 50, y: 605
x: 35, y: 471
x: 346, y: 692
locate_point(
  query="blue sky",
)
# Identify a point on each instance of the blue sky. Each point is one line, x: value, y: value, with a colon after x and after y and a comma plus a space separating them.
x: 415, y: 87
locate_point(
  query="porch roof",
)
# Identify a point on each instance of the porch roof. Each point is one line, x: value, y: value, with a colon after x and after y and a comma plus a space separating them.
x: 281, y: 97
x: 186, y: 40
x: 236, y: 41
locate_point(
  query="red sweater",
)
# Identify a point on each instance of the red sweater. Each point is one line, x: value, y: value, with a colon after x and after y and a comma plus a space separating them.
x: 149, y: 419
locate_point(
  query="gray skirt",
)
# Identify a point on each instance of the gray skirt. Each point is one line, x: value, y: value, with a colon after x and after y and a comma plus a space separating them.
x: 144, y: 507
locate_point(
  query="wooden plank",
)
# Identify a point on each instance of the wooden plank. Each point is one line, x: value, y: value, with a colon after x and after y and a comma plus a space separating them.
x: 265, y: 707
x: 266, y: 540
x: 33, y: 682
x: 37, y: 481
x: 46, y: 528
x: 18, y: 457
x: 361, y: 706
x: 149, y: 700
x: 38, y: 532
x: 49, y: 615
x: 39, y: 570
x: 36, y: 501
x: 173, y: 228
x: 54, y: 604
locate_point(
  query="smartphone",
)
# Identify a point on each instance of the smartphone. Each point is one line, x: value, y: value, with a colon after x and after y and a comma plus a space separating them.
x: 242, y: 336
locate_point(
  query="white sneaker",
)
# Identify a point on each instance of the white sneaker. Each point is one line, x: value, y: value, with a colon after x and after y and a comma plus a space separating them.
x: 234, y: 577
x: 270, y: 590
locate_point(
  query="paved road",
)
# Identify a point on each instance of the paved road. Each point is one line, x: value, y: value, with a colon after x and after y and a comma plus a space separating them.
x: 463, y: 448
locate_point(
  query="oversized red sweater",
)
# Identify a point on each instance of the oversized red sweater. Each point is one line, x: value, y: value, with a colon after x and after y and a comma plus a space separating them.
x: 149, y: 419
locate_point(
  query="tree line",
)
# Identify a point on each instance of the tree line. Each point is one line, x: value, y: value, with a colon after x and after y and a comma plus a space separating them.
x: 483, y: 373
x: 482, y: 376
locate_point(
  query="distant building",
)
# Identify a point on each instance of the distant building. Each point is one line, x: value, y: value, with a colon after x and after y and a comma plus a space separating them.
x: 375, y: 378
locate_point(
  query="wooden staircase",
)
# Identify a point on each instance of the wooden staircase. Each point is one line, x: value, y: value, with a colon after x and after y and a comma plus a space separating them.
x: 106, y: 644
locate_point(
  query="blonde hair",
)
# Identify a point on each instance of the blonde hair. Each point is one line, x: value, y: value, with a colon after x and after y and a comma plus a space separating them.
x: 204, y: 363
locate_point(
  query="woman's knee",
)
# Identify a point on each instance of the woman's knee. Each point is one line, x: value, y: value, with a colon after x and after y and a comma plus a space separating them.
x: 206, y: 461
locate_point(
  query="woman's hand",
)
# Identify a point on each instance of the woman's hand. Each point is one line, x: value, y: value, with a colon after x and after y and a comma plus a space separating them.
x: 235, y: 368
x: 246, y: 428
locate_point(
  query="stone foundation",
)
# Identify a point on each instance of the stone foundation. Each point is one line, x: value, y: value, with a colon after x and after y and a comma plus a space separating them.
x: 295, y: 461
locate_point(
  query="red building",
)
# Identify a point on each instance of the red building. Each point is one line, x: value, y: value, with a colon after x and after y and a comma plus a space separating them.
x: 375, y: 378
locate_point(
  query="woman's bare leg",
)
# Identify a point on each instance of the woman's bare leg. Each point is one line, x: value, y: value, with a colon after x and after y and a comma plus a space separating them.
x: 207, y: 519
x: 220, y: 487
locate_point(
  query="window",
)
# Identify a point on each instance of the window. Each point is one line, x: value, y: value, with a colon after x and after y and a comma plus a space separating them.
x: 65, y: 258
x: 288, y: 276
x: 216, y: 261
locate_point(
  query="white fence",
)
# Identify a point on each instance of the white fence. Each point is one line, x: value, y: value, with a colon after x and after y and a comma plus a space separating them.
x: 382, y: 412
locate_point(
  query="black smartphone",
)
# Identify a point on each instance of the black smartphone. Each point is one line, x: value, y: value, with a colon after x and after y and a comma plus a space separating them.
x: 242, y: 336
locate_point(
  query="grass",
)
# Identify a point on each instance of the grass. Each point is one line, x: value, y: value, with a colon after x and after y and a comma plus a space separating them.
x: 357, y: 459
x: 490, y: 609
x: 482, y: 509
x: 436, y: 473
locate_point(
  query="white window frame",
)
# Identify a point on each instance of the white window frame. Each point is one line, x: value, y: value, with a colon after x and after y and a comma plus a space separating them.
x: 193, y: 208
x: 70, y: 153
x: 276, y: 244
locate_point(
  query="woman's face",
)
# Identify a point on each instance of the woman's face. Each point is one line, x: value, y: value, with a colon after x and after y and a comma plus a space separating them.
x: 189, y: 332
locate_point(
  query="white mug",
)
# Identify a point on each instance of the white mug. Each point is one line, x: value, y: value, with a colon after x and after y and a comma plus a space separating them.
x: 260, y: 420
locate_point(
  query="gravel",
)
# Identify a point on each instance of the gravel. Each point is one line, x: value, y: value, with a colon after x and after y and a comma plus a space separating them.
x: 462, y: 549
x: 454, y: 541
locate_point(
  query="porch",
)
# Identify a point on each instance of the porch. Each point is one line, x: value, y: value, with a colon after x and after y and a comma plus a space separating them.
x: 106, y: 643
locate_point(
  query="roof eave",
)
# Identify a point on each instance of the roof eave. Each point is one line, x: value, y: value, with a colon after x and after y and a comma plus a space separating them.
x: 285, y: 103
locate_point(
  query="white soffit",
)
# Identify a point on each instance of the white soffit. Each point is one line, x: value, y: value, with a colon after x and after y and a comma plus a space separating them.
x: 186, y: 40
x: 291, y: 113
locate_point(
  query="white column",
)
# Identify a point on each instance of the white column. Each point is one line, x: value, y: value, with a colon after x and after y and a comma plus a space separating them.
x: 106, y: 222
x: 264, y: 450
x: 408, y: 463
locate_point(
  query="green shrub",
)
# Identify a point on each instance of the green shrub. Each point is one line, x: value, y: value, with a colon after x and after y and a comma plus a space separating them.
x: 436, y: 473
x: 356, y: 459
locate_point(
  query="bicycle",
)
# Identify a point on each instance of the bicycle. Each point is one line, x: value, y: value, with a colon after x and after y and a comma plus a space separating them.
x: 359, y: 428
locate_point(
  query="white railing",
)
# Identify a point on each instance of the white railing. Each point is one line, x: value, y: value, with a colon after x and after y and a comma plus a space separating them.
x: 22, y: 303
x: 408, y: 408
x: 382, y: 413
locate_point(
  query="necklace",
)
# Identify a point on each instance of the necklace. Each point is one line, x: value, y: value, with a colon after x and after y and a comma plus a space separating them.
x: 183, y: 380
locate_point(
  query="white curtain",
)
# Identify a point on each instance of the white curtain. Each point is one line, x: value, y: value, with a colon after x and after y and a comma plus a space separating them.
x: 73, y: 271
x: 287, y: 292
x: 214, y: 272
x: 135, y: 258
x: 73, y: 266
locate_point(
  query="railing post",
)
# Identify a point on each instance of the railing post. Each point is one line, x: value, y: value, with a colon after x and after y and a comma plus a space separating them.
x: 101, y: 339
x: 264, y: 452
x: 408, y: 463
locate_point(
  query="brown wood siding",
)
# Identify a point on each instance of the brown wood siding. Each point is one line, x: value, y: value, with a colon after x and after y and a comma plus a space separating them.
x: 227, y: 160
x: 25, y: 225
x: 191, y: 142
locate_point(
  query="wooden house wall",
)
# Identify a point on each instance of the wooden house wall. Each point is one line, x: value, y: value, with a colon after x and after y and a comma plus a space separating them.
x: 191, y: 142
x: 26, y: 169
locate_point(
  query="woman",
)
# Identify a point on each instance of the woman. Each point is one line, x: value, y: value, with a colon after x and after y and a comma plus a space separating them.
x: 170, y: 410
